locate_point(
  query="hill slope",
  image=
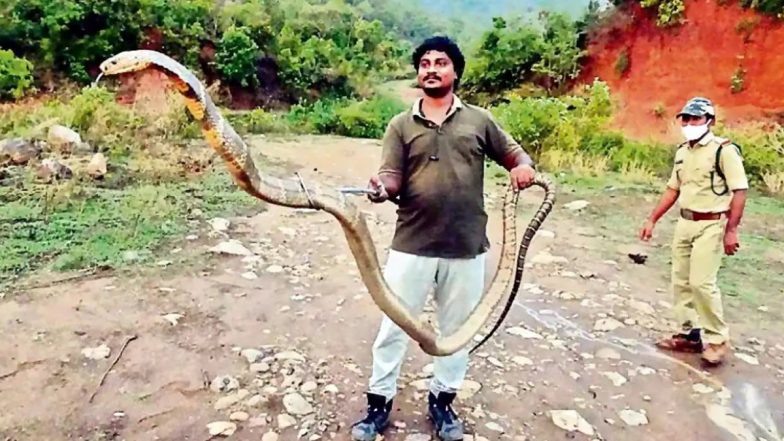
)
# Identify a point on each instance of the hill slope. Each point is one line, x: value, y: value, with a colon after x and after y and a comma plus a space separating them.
x: 718, y: 44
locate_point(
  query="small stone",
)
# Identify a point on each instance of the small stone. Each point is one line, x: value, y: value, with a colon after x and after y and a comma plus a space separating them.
x: 763, y: 309
x: 269, y: 436
x: 524, y: 333
x: 295, y: 404
x: 289, y: 355
x: 701, y: 388
x: 252, y: 355
x: 285, y: 421
x: 18, y: 151
x: 571, y: 421
x: 224, y: 383
x: 219, y: 224
x: 608, y: 354
x: 330, y: 389
x: 616, y: 378
x: 642, y: 307
x: 222, y: 428
x: 173, y: 319
x: 546, y: 234
x: 257, y: 422
x: 259, y: 367
x: 97, y: 353
x: 750, y: 359
x: 468, y: 389
x: 226, y: 402
x: 61, y: 136
x: 607, y: 324
x: 249, y: 275
x: 231, y: 247
x: 522, y: 361
x: 399, y: 425
x: 576, y: 205
x: 97, y: 167
x: 417, y: 437
x: 495, y: 362
x: 239, y: 416
x: 308, y: 387
x: 274, y: 269
x: 51, y: 169
x: 255, y: 401
x: 545, y: 258
x: 633, y: 418
x: 495, y: 427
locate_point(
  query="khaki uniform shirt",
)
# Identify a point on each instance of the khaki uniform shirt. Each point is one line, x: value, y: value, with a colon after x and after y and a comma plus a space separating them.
x: 694, y: 171
x: 441, y: 211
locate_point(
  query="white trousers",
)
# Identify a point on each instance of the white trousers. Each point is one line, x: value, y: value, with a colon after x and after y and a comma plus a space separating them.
x: 458, y: 285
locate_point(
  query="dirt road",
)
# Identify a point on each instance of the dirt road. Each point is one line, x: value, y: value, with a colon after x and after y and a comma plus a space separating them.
x: 578, y: 340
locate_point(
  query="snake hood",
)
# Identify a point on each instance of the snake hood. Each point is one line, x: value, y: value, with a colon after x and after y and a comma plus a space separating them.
x: 138, y: 60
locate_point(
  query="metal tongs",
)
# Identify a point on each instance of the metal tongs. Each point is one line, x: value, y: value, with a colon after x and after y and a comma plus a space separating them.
x: 365, y: 191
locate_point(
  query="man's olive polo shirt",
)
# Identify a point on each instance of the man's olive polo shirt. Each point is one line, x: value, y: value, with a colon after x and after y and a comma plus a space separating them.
x: 441, y: 212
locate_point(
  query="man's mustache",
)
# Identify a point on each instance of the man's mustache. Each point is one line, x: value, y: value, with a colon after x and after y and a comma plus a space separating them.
x: 432, y: 77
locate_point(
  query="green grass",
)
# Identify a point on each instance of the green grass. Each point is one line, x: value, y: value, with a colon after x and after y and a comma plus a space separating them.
x: 751, y: 278
x: 99, y: 227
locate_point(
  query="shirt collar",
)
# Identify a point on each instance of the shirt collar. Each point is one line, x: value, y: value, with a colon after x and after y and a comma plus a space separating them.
x: 707, y: 138
x: 416, y: 109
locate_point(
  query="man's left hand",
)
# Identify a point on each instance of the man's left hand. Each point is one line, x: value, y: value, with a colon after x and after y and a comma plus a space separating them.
x: 522, y: 176
x: 731, y: 243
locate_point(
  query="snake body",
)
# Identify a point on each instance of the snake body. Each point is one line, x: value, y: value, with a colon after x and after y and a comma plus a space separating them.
x: 294, y: 193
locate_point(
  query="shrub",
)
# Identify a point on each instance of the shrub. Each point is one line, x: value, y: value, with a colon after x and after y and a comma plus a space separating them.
x: 369, y: 118
x: 622, y: 63
x: 364, y: 119
x: 236, y: 57
x: 762, y: 148
x: 16, y: 75
x: 258, y: 121
x: 669, y: 12
x: 317, y: 117
x: 737, y: 82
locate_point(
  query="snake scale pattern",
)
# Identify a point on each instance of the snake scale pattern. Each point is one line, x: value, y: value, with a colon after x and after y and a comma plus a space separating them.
x: 295, y: 193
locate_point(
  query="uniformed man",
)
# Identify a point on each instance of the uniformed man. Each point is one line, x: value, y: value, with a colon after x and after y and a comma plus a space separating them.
x: 709, y: 182
x: 433, y: 160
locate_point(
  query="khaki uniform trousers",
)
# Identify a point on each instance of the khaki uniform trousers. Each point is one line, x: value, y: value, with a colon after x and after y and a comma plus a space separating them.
x: 697, y: 251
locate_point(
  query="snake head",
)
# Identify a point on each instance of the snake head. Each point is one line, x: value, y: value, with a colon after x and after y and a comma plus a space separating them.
x: 128, y: 61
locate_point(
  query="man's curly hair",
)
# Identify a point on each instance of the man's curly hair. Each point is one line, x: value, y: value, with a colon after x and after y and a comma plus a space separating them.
x: 441, y: 44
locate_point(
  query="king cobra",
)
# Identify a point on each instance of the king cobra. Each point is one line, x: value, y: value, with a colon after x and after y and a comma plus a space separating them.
x: 295, y: 193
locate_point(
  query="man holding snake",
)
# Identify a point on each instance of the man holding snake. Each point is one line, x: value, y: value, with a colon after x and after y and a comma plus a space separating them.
x: 433, y: 161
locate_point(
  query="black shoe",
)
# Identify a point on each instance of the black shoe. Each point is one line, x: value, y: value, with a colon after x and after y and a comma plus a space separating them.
x: 376, y: 420
x: 448, y: 426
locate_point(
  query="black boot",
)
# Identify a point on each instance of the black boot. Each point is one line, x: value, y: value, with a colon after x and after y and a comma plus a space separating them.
x: 376, y: 420
x: 448, y: 426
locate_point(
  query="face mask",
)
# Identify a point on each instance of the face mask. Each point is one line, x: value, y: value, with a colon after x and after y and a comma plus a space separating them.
x: 692, y: 133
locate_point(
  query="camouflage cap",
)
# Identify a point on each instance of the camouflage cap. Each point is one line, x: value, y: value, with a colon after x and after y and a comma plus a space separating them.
x: 698, y: 106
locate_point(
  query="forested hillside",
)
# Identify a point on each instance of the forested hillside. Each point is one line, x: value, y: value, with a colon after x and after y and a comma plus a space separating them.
x: 319, y: 65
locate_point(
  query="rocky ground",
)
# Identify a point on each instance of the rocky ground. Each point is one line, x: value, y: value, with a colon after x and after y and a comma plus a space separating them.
x: 259, y: 328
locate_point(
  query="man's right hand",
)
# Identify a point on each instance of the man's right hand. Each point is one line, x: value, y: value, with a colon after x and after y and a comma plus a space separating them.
x: 647, y: 231
x: 381, y: 194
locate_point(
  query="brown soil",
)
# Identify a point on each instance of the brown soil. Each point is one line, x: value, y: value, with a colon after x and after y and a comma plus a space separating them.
x: 156, y: 391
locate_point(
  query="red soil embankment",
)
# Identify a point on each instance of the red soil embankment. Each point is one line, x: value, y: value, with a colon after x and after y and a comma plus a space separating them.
x: 667, y: 66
